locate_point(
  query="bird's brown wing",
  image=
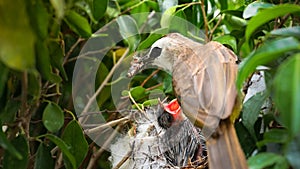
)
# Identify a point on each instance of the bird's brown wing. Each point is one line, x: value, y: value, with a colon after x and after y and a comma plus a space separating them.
x: 214, y: 83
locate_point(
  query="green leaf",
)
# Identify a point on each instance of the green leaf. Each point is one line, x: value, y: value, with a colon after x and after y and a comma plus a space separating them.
x: 34, y: 85
x: 165, y: 5
x: 43, y: 158
x: 266, y: 53
x: 290, y: 31
x: 43, y: 62
x: 178, y: 22
x: 100, y: 76
x: 155, y: 35
x: 63, y: 147
x: 264, y: 160
x: 234, y: 22
x: 168, y: 84
x: 140, y: 13
x: 10, y: 161
x: 3, y: 77
x: 78, y: 24
x: 129, y: 31
x: 9, y: 147
x: 253, y: 8
x: 138, y: 92
x: 8, y: 115
x: 59, y: 7
x: 287, y: 93
x: 151, y: 102
x: 227, y: 40
x: 17, y: 38
x: 251, y: 110
x: 74, y: 138
x: 274, y: 136
x: 98, y: 8
x: 197, y: 16
x: 57, y: 58
x: 39, y: 18
x: 293, y: 152
x: 166, y: 17
x: 266, y: 15
x: 53, y: 117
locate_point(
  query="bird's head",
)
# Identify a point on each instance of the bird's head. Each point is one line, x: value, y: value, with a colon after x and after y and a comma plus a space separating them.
x: 161, y: 54
x: 172, y: 114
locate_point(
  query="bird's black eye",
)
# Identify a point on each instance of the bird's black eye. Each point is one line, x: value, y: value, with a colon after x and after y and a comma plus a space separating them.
x: 155, y: 52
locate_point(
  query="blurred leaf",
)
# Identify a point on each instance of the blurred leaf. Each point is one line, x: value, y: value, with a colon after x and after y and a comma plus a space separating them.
x: 98, y: 8
x: 287, y: 93
x: 166, y: 17
x: 168, y: 84
x: 227, y: 40
x: 151, y: 102
x: 53, y: 117
x: 138, y: 92
x: 266, y: 53
x: 251, y: 110
x: 8, y: 115
x: 57, y: 58
x: 266, y: 15
x: 293, y: 152
x: 17, y: 38
x: 224, y: 5
x: 34, y: 85
x: 234, y: 22
x: 3, y: 77
x: 155, y: 35
x: 152, y: 4
x: 43, y: 62
x: 74, y: 138
x: 290, y: 31
x: 246, y: 140
x: 254, y: 7
x: 78, y: 24
x: 129, y: 31
x: 43, y: 158
x: 197, y: 16
x: 83, y: 5
x: 10, y: 161
x: 125, y: 93
x: 141, y: 9
x: 63, y: 147
x: 264, y: 160
x: 106, y: 91
x: 9, y: 147
x: 164, y: 5
x: 178, y: 22
x: 59, y: 7
x: 274, y: 136
x: 39, y: 18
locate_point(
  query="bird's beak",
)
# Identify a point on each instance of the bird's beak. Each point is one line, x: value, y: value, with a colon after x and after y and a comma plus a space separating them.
x: 136, y: 66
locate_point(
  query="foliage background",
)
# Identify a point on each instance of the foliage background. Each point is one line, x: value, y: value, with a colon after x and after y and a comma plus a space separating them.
x: 40, y: 41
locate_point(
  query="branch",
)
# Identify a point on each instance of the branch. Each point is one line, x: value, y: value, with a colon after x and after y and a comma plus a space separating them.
x: 96, y: 155
x: 103, y: 84
x: 205, y: 20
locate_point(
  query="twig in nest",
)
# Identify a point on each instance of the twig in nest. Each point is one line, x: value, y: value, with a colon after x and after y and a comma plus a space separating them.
x: 96, y: 155
x: 108, y: 124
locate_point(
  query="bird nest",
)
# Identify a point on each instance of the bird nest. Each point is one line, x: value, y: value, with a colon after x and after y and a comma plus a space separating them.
x: 151, y: 146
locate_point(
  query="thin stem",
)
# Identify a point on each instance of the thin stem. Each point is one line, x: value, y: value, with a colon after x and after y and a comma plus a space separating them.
x: 96, y: 155
x: 205, y: 20
x: 149, y: 77
x: 103, y: 84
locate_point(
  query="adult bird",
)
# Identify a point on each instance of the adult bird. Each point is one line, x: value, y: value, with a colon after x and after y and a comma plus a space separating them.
x: 204, y: 83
